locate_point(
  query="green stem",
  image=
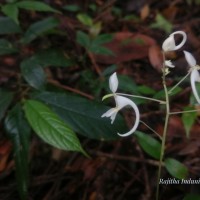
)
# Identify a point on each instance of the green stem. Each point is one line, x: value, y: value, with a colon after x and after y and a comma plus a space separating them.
x: 170, y: 91
x: 163, y: 142
x: 181, y: 112
x: 141, y: 97
x: 164, y: 131
x: 151, y: 129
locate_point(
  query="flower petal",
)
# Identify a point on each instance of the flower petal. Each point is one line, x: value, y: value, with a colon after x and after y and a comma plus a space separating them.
x: 122, y: 102
x: 168, y: 63
x: 195, y: 77
x: 113, y: 116
x: 111, y: 113
x: 190, y: 59
x: 169, y: 43
x: 113, y: 82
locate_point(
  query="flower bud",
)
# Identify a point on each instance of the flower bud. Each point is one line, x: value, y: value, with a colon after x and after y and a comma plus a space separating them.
x: 113, y: 82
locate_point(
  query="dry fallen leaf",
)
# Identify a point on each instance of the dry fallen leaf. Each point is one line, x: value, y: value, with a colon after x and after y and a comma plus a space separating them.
x: 144, y: 12
x: 126, y: 46
x: 176, y: 128
x: 155, y: 57
x: 190, y: 148
x: 170, y: 12
x: 5, y: 150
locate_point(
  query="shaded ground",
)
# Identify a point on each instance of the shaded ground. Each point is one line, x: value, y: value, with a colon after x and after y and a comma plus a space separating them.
x: 119, y: 169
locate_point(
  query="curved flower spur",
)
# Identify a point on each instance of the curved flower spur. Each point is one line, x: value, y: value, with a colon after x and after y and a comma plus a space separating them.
x: 121, y: 102
x: 170, y: 45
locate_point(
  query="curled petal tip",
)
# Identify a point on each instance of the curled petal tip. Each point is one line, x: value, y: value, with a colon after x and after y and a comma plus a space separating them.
x: 190, y: 59
x: 137, y: 116
x: 170, y: 45
x: 113, y: 82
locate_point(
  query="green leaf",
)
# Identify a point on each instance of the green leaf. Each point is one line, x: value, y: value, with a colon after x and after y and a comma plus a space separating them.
x: 193, y: 100
x: 36, y: 6
x: 33, y: 73
x: 85, y: 19
x: 93, y: 7
x: 146, y: 90
x: 72, y: 8
x: 83, y: 115
x: 197, y: 2
x: 132, y: 17
x: 161, y: 93
x: 11, y: 11
x: 150, y: 145
x: 6, y: 47
x: 109, y: 70
x: 100, y: 50
x: 83, y: 39
x: 127, y: 84
x: 162, y: 23
x: 39, y: 28
x: 11, y: 1
x: 19, y: 132
x: 175, y: 91
x: 175, y: 168
x: 95, y: 29
x: 8, y: 26
x: 188, y: 119
x: 5, y: 100
x: 50, y: 127
x: 96, y: 43
x: 102, y: 39
x: 52, y: 57
x: 192, y: 197
x: 116, y: 11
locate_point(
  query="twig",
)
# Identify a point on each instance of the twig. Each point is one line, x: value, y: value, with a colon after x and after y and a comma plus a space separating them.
x: 151, y: 129
x: 147, y: 192
x: 126, y: 158
x: 181, y: 112
x: 56, y: 83
x: 105, y: 8
x: 96, y: 67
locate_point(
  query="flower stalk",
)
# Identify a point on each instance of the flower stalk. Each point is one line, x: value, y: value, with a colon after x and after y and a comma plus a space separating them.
x: 162, y: 152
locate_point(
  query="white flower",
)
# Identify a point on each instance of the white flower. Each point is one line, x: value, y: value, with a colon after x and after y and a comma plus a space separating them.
x: 121, y: 102
x: 194, y: 77
x: 168, y: 63
x: 170, y: 45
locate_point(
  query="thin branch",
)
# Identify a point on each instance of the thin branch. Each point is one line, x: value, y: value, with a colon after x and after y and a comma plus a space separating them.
x: 151, y: 129
x: 181, y: 112
x: 56, y: 83
x: 141, y: 97
x: 126, y: 158
x: 170, y: 91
